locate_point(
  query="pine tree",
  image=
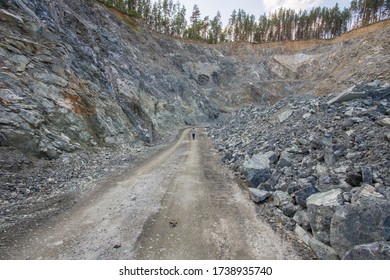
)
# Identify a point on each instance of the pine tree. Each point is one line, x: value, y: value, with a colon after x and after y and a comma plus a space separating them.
x: 193, y: 33
x: 179, y: 22
x: 215, y: 29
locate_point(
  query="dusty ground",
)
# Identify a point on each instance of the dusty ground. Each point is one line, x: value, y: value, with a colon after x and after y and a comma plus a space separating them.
x: 181, y: 204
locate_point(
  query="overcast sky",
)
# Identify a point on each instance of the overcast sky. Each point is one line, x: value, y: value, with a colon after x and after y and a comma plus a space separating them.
x: 255, y: 7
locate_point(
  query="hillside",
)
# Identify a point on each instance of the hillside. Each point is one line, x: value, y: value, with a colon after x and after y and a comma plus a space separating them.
x: 86, y: 92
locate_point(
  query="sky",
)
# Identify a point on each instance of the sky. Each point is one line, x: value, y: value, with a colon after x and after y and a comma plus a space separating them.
x: 255, y: 7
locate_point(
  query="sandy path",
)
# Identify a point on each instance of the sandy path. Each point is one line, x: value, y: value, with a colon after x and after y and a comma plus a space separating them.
x: 179, y: 205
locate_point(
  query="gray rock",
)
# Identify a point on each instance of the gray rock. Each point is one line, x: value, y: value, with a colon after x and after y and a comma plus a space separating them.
x: 366, y: 195
x: 302, y: 219
x: 329, y: 157
x: 282, y: 117
x: 320, y: 209
x: 302, y: 195
x: 373, y: 90
x: 7, y: 16
x: 347, y: 196
x: 384, y: 122
x: 347, y: 95
x: 280, y: 197
x: 283, y: 219
x: 50, y: 153
x: 272, y: 157
x: 387, y: 136
x: 258, y: 195
x: 322, y: 251
x: 257, y: 176
x: 285, y: 159
x: 353, y: 225
x: 288, y: 208
x: 257, y: 161
x: 371, y: 251
x: 257, y: 170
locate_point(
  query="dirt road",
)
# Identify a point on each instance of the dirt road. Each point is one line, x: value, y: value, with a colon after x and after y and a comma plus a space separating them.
x: 182, y: 204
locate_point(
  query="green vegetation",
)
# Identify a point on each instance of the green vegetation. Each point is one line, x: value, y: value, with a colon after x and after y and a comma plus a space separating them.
x: 167, y: 17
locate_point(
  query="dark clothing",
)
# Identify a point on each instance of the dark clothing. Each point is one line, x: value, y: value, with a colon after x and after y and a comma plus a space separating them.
x: 193, y: 134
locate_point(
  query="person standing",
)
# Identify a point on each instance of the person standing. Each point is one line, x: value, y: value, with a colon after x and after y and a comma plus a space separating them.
x: 193, y: 134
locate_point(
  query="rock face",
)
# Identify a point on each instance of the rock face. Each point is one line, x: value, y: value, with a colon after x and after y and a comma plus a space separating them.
x: 334, y: 163
x: 76, y: 76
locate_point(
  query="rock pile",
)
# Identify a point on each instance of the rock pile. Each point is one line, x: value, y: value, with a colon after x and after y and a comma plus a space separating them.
x: 31, y: 188
x: 321, y: 165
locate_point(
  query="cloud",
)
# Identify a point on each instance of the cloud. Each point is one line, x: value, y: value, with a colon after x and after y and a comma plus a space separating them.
x: 271, y: 5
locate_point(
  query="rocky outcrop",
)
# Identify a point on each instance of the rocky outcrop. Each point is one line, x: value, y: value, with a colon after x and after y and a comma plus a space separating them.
x: 332, y: 165
x: 76, y: 76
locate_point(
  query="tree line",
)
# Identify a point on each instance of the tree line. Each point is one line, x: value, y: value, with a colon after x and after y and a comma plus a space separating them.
x: 170, y: 18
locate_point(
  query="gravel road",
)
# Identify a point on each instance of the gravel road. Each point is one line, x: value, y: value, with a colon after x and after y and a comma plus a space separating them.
x: 180, y: 204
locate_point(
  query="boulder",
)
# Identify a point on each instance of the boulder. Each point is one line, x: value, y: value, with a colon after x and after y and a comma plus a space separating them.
x: 322, y: 251
x: 282, y: 117
x: 347, y: 95
x: 302, y: 195
x: 375, y: 90
x: 370, y: 251
x: 257, y: 170
x: 366, y: 195
x: 320, y: 209
x: 359, y: 223
x: 258, y: 195
x: 285, y: 159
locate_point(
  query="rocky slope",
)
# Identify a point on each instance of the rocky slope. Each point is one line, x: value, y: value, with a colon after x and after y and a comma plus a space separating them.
x: 321, y: 165
x: 86, y: 87
x: 74, y: 75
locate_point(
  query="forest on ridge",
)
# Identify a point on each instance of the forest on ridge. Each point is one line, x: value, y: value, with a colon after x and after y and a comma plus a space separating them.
x: 169, y: 17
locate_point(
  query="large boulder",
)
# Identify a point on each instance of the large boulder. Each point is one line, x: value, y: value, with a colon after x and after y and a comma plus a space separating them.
x: 375, y: 90
x: 371, y: 251
x: 365, y: 220
x: 257, y: 169
x: 320, y: 209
